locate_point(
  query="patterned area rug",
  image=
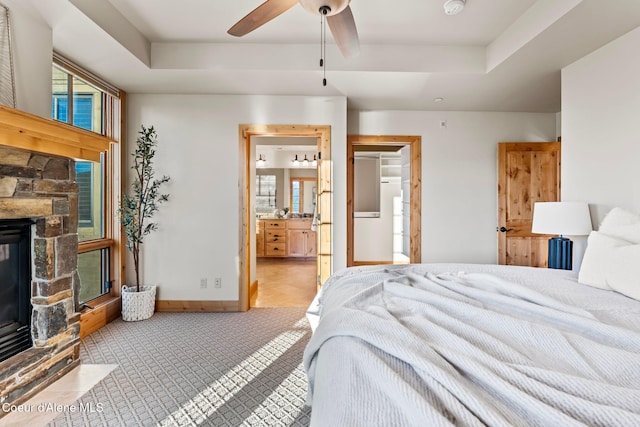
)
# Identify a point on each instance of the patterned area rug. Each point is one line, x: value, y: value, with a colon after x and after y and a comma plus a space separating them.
x: 198, y: 369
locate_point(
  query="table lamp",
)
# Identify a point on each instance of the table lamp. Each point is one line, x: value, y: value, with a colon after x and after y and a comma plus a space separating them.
x: 564, y: 219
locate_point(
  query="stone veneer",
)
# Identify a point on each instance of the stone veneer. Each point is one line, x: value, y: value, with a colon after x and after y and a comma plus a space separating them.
x: 43, y: 188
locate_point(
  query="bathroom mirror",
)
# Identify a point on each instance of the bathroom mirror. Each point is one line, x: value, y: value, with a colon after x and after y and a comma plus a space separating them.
x: 293, y: 188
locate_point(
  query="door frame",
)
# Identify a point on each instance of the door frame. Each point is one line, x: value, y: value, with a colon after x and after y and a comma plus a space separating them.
x: 245, y: 132
x: 415, y: 215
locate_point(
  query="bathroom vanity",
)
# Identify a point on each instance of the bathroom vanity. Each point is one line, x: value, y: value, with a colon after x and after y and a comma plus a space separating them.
x: 291, y: 237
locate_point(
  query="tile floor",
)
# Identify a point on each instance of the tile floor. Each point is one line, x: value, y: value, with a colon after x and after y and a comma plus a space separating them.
x: 285, y: 282
x: 59, y: 396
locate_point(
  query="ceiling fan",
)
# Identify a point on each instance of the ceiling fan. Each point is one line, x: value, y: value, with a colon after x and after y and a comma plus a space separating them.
x: 337, y: 12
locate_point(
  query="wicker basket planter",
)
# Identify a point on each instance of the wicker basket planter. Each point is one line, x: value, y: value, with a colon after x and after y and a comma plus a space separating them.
x: 138, y: 305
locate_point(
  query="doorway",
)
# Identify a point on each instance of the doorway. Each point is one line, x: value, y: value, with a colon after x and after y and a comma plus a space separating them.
x: 324, y: 196
x: 366, y: 147
x: 284, y: 265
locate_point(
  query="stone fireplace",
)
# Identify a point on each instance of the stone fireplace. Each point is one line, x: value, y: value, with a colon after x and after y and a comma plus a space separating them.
x: 41, y: 190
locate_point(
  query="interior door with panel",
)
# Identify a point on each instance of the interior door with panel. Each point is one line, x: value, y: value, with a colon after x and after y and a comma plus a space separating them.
x: 527, y: 173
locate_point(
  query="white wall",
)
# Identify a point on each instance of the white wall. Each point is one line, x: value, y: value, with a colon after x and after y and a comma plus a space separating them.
x: 198, y: 234
x: 32, y: 42
x: 459, y: 172
x: 601, y: 128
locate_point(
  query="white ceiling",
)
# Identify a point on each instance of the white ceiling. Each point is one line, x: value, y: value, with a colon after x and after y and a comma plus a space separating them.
x: 497, y: 55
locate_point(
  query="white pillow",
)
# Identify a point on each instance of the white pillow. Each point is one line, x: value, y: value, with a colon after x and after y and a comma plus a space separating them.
x: 621, y: 224
x: 593, y: 270
x: 623, y: 270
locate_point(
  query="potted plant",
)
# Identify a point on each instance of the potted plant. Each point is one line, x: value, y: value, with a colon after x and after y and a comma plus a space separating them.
x: 136, y: 211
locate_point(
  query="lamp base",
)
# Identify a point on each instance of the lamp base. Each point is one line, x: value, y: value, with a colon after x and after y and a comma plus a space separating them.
x: 560, y: 253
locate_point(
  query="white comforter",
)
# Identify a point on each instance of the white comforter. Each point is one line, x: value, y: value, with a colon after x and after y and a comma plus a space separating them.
x: 409, y: 347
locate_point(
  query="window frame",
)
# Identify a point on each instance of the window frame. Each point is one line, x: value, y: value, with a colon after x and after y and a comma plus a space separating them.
x: 112, y: 126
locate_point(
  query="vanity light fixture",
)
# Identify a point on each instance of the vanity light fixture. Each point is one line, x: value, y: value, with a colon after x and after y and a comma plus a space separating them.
x: 305, y: 162
x: 295, y: 161
x: 314, y: 162
x: 261, y: 161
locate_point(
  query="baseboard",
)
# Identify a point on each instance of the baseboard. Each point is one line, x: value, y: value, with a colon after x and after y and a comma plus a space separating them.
x: 93, y: 319
x: 357, y: 263
x: 175, y: 306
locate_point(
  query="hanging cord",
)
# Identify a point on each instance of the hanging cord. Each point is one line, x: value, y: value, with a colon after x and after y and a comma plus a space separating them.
x: 323, y: 42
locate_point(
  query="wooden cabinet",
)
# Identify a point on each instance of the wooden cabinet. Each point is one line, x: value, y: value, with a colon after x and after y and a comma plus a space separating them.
x: 275, y: 238
x: 285, y: 238
x: 301, y: 240
x: 260, y: 238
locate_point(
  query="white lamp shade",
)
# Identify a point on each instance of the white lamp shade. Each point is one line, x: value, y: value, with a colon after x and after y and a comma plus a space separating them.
x: 565, y: 218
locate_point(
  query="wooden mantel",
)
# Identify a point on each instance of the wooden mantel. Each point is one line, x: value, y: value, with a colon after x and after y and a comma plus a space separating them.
x: 34, y: 133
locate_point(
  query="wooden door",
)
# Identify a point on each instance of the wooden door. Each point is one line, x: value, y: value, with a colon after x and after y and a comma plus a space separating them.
x: 527, y: 173
x: 259, y: 238
x: 324, y: 216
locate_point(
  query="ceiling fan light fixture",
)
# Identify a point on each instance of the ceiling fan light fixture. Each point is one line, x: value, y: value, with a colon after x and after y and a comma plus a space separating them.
x: 453, y: 7
x: 334, y: 6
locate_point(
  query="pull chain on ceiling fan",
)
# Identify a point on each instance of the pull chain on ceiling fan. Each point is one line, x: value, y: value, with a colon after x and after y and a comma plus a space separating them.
x: 323, y: 42
x: 336, y: 13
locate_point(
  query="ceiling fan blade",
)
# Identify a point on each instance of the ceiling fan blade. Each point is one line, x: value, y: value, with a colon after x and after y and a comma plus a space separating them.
x: 260, y: 16
x: 344, y: 31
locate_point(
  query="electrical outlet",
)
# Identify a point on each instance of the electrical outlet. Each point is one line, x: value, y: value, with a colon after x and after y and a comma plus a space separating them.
x: 203, y: 283
x: 218, y: 282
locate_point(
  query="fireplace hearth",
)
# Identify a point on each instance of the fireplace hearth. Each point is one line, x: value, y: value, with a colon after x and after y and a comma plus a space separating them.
x: 15, y: 284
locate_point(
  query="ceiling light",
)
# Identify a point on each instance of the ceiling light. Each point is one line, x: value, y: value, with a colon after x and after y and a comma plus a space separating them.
x: 334, y: 6
x: 438, y: 99
x: 452, y: 7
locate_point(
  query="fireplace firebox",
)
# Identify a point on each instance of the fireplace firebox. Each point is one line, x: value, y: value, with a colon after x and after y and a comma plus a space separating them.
x: 15, y: 286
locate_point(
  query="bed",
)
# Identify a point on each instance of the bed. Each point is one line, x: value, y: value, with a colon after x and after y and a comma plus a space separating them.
x: 466, y: 344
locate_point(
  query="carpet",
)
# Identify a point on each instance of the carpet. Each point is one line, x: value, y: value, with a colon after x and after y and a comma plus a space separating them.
x: 198, y: 369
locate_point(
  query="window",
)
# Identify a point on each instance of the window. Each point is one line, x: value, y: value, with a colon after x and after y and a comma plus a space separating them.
x: 265, y: 193
x: 95, y: 107
x: 86, y: 110
x: 90, y: 200
x: 296, y: 196
x: 94, y: 272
